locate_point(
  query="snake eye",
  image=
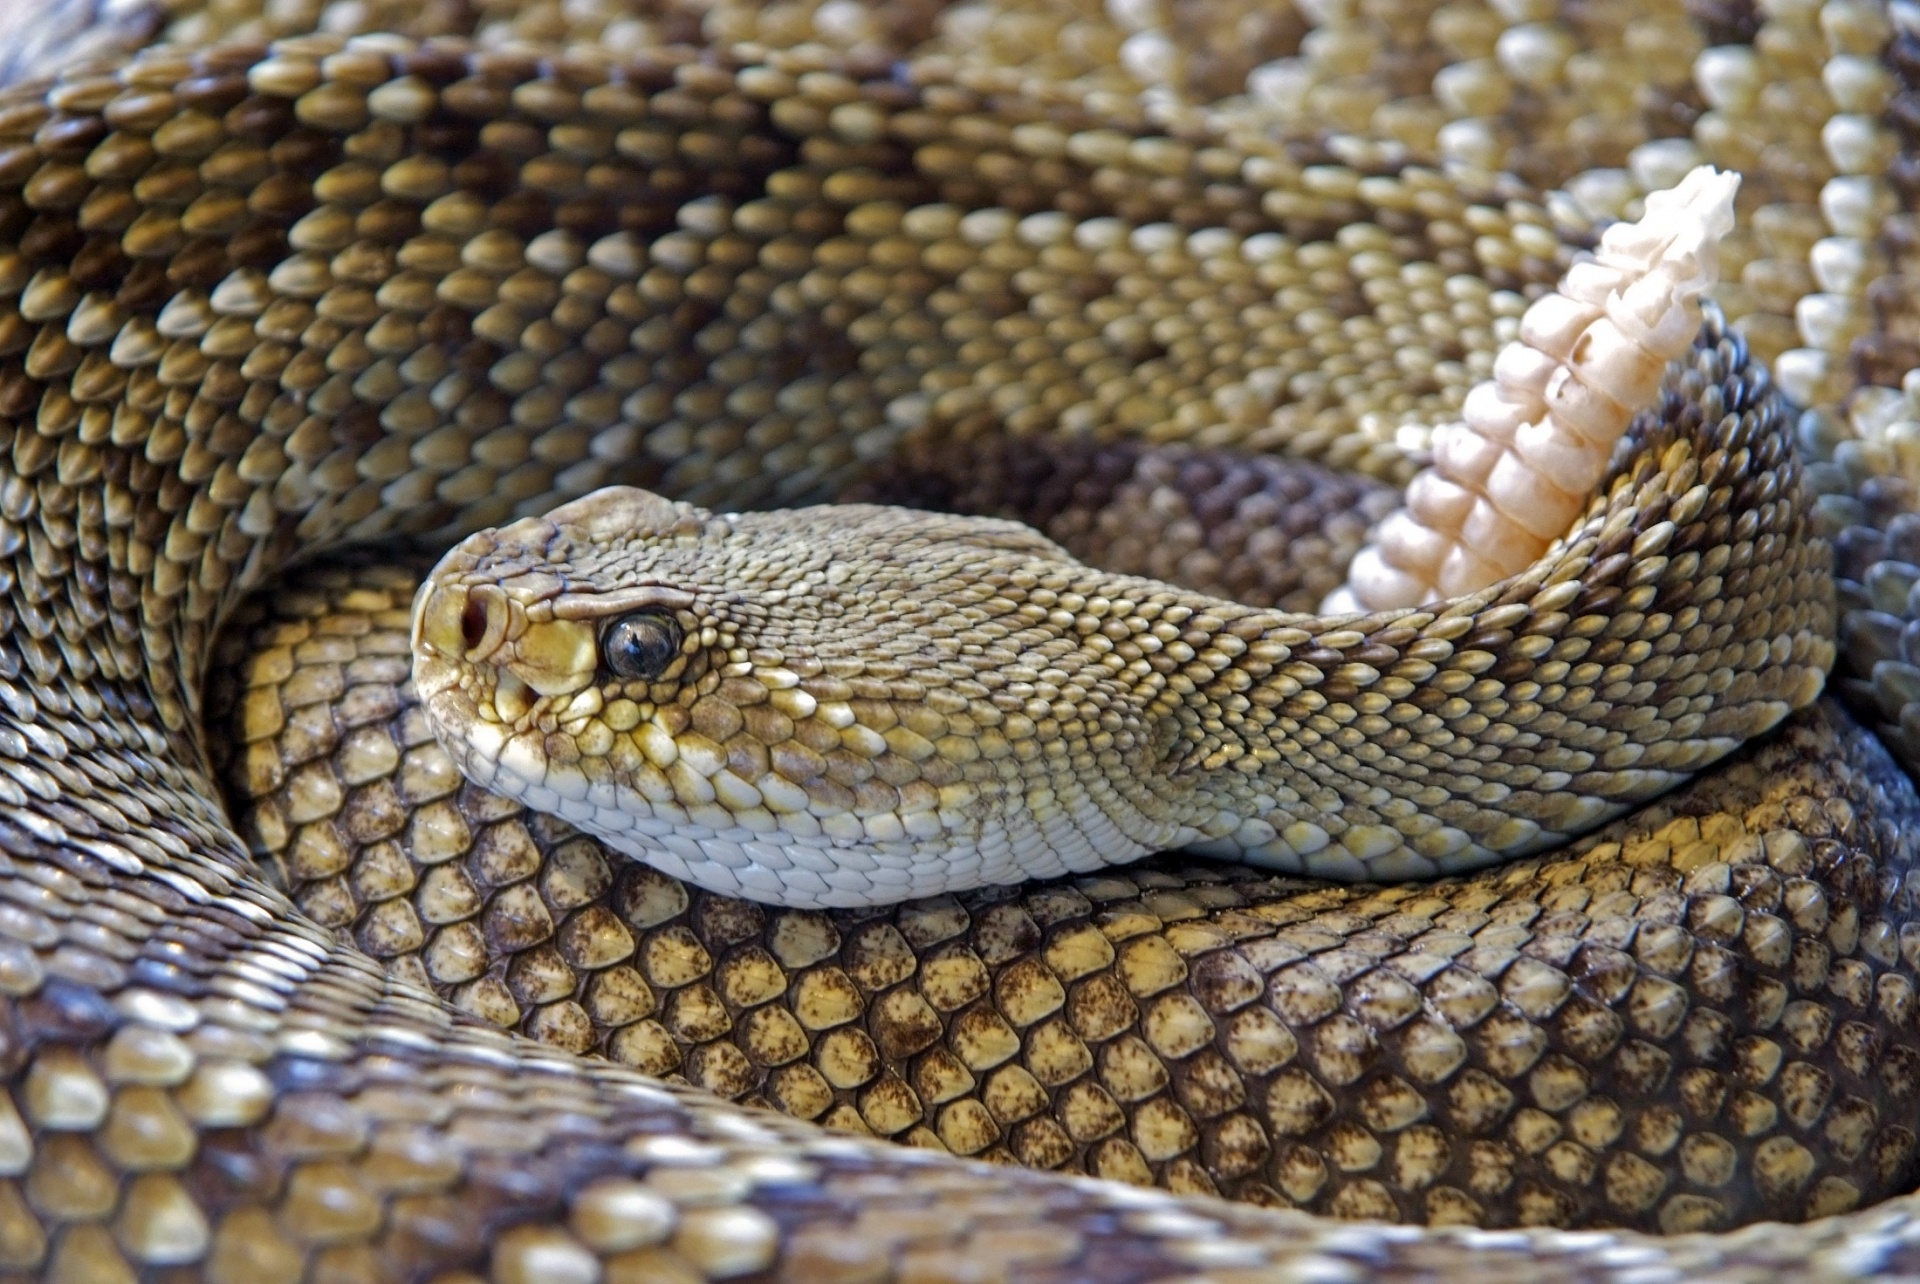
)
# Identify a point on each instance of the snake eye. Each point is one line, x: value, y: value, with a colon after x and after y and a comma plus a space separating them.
x: 641, y: 646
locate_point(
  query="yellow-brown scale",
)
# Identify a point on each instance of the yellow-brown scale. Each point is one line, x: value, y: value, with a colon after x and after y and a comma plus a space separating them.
x: 1251, y: 528
x: 208, y: 1084
x: 1633, y: 1035
x: 952, y: 704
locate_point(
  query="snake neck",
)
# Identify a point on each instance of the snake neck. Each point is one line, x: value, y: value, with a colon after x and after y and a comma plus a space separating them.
x: 1648, y: 645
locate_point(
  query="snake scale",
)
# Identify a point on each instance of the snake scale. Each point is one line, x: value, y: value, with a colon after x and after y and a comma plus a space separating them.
x: 290, y: 277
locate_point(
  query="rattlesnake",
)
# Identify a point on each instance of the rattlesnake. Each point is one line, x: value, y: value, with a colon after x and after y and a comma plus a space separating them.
x: 262, y: 301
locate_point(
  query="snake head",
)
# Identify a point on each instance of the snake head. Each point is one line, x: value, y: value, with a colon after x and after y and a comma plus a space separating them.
x: 831, y: 706
x: 508, y: 617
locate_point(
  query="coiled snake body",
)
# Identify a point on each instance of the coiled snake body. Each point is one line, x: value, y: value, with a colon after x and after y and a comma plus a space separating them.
x: 428, y: 270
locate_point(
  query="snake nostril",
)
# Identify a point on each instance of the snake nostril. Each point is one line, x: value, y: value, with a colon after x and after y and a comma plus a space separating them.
x: 473, y: 623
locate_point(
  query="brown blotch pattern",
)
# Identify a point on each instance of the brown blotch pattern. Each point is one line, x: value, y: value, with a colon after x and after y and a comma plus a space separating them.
x: 1703, y: 1017
x: 203, y: 1083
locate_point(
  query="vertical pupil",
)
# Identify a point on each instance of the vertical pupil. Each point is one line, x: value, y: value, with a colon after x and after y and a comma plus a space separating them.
x: 642, y: 646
